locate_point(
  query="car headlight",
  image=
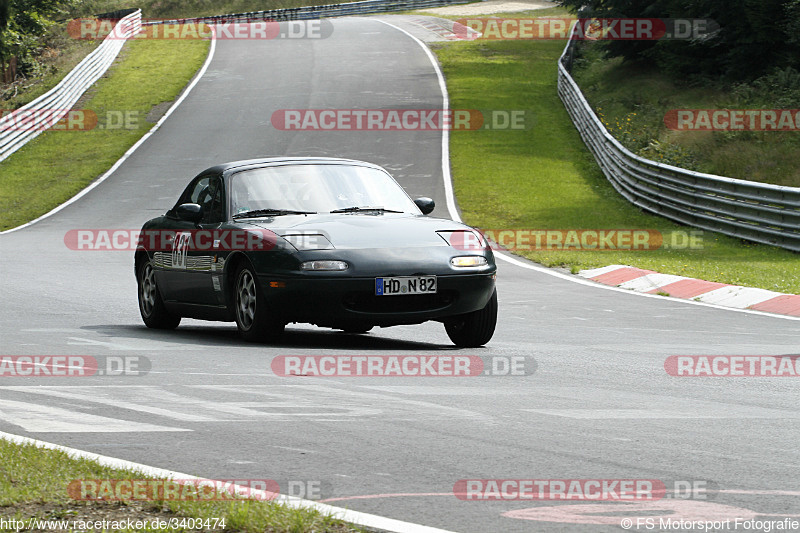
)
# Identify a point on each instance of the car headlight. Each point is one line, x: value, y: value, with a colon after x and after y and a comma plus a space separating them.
x: 469, y: 261
x: 324, y: 265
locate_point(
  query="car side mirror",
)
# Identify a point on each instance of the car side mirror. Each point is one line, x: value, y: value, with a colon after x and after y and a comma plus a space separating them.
x: 425, y: 205
x: 190, y: 212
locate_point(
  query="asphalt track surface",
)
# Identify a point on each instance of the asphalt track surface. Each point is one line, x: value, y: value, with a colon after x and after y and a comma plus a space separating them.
x: 599, y: 406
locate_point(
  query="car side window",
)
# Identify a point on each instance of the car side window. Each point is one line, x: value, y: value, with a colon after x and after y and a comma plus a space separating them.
x: 192, y: 193
x: 212, y: 202
x: 201, y: 191
x: 207, y: 192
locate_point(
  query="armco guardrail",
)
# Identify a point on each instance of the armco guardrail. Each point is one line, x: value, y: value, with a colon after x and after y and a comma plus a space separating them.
x: 759, y: 212
x: 25, y: 123
x: 366, y: 7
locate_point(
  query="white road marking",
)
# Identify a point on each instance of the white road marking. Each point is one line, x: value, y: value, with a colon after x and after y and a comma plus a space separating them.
x: 302, y: 450
x: 37, y: 418
x: 184, y: 408
x: 439, y: 391
x: 115, y: 346
x: 120, y: 397
x: 700, y: 412
x: 354, y: 517
x: 683, y: 511
x: 219, y: 374
x: 394, y: 403
x: 50, y: 330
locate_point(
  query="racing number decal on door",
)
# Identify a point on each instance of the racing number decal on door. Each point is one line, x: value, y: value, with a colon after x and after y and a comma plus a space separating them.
x: 180, y: 247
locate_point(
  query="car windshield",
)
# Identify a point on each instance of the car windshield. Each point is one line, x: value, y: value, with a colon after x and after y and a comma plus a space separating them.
x: 320, y: 188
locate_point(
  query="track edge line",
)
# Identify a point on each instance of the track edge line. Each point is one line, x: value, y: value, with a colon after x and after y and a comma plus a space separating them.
x: 354, y: 517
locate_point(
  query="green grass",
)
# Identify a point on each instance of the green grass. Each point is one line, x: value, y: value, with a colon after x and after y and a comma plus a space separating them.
x: 34, y: 481
x: 58, y: 164
x: 634, y: 112
x: 545, y: 178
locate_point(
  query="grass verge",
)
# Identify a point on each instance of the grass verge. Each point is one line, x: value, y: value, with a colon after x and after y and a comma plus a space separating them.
x: 545, y: 178
x: 58, y: 164
x: 34, y: 481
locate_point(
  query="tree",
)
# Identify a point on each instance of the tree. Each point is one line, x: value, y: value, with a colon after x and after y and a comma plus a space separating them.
x: 754, y: 36
x: 22, y: 25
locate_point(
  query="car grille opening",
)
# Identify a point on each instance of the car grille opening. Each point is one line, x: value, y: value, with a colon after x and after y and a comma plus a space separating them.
x: 369, y: 303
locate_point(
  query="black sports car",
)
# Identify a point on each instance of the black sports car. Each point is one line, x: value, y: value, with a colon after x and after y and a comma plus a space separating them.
x: 332, y: 242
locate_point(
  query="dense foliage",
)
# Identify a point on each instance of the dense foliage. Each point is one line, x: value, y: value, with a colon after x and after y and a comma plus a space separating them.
x: 755, y: 37
x: 23, y: 23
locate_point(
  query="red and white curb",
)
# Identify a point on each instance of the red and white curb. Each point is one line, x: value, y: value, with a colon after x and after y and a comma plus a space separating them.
x: 447, y: 29
x: 723, y: 294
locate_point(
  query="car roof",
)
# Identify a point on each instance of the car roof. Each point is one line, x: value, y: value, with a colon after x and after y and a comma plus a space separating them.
x: 225, y: 168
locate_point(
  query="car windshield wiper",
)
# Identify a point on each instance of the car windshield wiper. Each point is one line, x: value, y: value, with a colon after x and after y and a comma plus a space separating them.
x: 356, y: 209
x: 271, y: 213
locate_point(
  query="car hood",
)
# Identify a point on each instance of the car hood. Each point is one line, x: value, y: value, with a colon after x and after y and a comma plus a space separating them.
x: 363, y: 230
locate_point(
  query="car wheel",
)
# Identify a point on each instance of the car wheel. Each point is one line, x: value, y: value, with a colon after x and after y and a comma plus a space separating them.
x: 473, y: 329
x: 151, y: 307
x: 253, y: 317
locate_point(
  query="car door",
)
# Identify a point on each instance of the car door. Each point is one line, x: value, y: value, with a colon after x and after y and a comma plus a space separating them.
x: 185, y: 276
x: 207, y: 257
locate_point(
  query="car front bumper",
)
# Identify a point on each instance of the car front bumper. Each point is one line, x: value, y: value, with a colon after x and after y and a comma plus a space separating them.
x: 336, y: 301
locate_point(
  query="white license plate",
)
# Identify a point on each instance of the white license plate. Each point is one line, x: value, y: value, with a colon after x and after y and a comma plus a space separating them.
x: 405, y: 285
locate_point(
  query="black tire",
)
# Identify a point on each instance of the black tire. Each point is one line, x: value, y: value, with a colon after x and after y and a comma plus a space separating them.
x: 151, y: 306
x: 256, y: 322
x: 473, y: 329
